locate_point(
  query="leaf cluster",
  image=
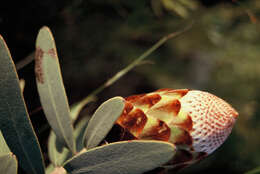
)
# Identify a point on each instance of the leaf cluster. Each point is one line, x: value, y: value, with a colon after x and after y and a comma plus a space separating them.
x: 72, y: 147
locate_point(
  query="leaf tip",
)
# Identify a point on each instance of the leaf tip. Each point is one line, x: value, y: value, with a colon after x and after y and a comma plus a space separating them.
x: 45, y: 39
x: 45, y: 29
x: 104, y: 118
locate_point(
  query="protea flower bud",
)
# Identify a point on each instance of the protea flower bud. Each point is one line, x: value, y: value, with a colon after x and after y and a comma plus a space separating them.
x: 196, y: 122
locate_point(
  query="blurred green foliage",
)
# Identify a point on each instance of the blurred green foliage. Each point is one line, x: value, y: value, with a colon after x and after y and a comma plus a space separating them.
x: 220, y: 54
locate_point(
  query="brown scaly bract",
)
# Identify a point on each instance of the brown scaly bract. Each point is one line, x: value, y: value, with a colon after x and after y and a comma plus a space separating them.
x: 196, y: 122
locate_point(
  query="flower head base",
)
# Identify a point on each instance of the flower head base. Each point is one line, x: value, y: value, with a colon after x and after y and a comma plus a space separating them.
x: 195, y: 121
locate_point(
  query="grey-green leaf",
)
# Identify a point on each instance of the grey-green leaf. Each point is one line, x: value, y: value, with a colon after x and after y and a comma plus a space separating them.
x: 79, y: 132
x: 51, y: 89
x: 131, y: 157
x: 56, y: 151
x: 8, y: 164
x: 4, y: 149
x: 59, y: 154
x: 102, y: 121
x: 14, y: 121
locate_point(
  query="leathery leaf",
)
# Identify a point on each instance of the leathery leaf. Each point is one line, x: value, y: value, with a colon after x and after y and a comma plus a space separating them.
x: 51, y: 89
x: 125, y: 157
x: 8, y: 164
x: 102, y: 121
x: 15, y: 124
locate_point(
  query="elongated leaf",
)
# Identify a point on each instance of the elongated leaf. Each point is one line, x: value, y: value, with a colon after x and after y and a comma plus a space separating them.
x: 8, y: 164
x: 14, y: 121
x: 59, y: 154
x: 132, y: 157
x: 102, y: 121
x: 56, y: 151
x: 79, y: 132
x: 51, y: 90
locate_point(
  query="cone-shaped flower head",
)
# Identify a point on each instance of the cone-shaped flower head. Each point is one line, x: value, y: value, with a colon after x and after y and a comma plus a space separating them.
x: 193, y: 120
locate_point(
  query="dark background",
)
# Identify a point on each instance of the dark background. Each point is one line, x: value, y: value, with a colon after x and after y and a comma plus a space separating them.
x: 97, y: 38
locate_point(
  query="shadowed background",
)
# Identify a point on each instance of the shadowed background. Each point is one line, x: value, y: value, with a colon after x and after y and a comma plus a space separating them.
x: 97, y: 38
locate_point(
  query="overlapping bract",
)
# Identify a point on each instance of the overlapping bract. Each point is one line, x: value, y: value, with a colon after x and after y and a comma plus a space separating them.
x: 196, y: 121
